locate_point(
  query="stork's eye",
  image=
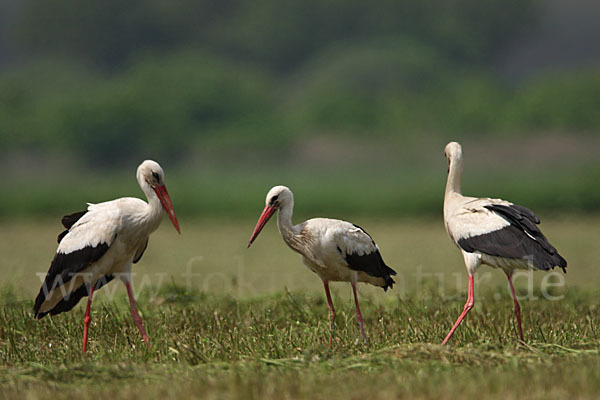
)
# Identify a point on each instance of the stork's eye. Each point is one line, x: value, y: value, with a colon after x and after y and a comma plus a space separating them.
x: 155, y: 175
x: 274, y: 199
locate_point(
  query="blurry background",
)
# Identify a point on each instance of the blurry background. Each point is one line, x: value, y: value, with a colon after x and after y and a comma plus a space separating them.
x: 348, y: 102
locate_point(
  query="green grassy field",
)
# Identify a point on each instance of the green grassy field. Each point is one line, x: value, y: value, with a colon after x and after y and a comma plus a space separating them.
x: 230, y: 322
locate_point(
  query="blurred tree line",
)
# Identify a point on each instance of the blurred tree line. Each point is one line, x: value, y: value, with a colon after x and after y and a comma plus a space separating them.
x: 114, y: 80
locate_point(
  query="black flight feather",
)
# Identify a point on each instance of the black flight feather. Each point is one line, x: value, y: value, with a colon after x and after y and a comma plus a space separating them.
x: 138, y: 257
x: 65, y: 266
x: 522, y: 239
x: 71, y: 299
x: 370, y: 263
x: 68, y: 221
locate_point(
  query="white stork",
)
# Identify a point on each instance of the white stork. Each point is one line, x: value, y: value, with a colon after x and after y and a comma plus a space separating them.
x: 333, y: 249
x: 493, y: 232
x: 100, y: 244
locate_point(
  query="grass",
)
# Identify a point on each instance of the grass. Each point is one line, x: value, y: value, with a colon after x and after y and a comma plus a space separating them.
x: 217, y: 346
x: 222, y: 338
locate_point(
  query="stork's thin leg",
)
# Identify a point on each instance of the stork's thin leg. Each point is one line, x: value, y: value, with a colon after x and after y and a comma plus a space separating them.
x: 468, y: 306
x: 358, y: 314
x: 517, y: 306
x: 331, y: 312
x: 134, y: 313
x: 88, y: 318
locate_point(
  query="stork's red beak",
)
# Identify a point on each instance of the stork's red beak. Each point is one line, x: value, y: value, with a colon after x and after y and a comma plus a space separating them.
x: 165, y: 200
x: 262, y: 221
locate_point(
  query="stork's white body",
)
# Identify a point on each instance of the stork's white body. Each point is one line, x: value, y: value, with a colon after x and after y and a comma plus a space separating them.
x: 335, y: 250
x: 101, y: 244
x: 494, y: 232
x: 318, y: 241
x: 466, y: 217
x: 124, y: 225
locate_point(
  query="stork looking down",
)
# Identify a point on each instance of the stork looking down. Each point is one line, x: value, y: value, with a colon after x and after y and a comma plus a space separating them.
x: 335, y: 250
x: 102, y: 243
x: 493, y: 232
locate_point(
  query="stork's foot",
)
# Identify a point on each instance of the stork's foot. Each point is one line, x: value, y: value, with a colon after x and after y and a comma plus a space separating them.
x: 331, y: 334
x: 517, y: 306
x: 362, y: 331
x: 87, y: 319
x: 466, y: 309
x: 331, y: 313
x: 359, y: 317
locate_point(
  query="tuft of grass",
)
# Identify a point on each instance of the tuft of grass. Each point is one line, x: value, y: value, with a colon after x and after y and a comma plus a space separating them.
x: 218, y: 345
x: 253, y: 323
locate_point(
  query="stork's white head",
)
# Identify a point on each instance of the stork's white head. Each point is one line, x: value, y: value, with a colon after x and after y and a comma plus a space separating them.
x: 151, y: 174
x: 453, y: 151
x: 277, y: 197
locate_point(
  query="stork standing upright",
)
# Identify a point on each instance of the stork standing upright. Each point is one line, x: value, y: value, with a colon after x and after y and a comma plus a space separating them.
x: 333, y: 249
x: 100, y: 244
x: 493, y: 232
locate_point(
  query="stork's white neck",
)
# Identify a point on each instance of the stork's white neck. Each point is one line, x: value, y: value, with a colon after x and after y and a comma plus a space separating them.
x: 155, y: 210
x: 453, y: 190
x: 288, y: 231
x: 453, y: 185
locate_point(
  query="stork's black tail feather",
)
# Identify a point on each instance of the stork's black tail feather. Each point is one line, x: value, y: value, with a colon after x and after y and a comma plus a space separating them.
x: 70, y: 300
x: 389, y: 282
x: 544, y: 255
x: 559, y: 261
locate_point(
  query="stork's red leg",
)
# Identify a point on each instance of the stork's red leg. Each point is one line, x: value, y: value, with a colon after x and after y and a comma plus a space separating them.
x: 331, y: 312
x: 517, y: 306
x: 87, y: 318
x: 134, y: 313
x: 468, y: 306
x: 358, y: 314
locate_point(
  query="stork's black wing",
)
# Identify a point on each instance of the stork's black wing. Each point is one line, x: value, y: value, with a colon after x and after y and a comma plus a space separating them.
x: 521, y: 239
x: 362, y: 254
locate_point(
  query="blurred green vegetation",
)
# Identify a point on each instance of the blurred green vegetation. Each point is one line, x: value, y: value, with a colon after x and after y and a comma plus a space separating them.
x: 217, y: 347
x: 225, y: 92
x: 339, y: 194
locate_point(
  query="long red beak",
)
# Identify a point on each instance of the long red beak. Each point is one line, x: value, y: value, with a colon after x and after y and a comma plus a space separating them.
x: 262, y: 221
x: 165, y: 200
